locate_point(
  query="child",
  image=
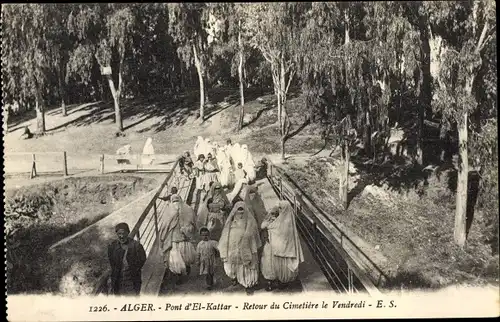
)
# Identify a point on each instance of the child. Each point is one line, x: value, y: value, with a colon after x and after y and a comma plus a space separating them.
x: 240, y: 173
x: 207, y: 253
x: 266, y: 261
x: 173, y: 191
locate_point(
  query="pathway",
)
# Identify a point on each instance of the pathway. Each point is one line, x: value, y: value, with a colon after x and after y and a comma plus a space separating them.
x: 310, y: 277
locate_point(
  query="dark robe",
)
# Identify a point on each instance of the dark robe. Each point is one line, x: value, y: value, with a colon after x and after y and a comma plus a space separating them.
x: 136, y: 257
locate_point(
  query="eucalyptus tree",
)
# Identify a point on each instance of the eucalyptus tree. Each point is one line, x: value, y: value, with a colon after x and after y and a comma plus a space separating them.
x: 276, y: 30
x: 28, y: 54
x: 233, y: 40
x: 465, y: 30
x: 189, y: 27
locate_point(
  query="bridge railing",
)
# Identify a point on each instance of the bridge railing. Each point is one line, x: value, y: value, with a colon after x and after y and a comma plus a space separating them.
x: 340, y: 259
x: 148, y: 226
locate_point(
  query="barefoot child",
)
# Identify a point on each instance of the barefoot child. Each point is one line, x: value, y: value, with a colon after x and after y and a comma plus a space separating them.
x: 207, y: 253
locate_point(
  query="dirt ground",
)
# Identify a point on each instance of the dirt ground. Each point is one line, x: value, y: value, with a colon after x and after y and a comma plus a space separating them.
x: 36, y: 216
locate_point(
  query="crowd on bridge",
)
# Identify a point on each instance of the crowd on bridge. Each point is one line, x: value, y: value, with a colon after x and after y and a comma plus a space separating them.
x: 253, y: 243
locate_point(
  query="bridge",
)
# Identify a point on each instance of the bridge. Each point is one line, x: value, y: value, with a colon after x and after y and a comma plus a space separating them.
x: 332, y: 261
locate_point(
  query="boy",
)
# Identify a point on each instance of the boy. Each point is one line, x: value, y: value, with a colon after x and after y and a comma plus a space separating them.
x: 207, y: 253
x: 240, y: 173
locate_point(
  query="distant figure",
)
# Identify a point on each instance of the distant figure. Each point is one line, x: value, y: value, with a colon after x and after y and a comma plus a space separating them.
x: 175, y: 237
x: 148, y: 152
x: 211, y: 170
x: 124, y: 154
x: 173, y: 191
x: 255, y: 204
x: 214, y: 210
x: 186, y: 164
x: 26, y: 134
x: 202, y: 180
x: 282, y: 251
x: 240, y: 173
x: 126, y: 257
x: 238, y: 247
x: 207, y: 254
x: 261, y: 169
x: 226, y: 176
x: 236, y: 154
x: 198, y: 146
x: 248, y: 163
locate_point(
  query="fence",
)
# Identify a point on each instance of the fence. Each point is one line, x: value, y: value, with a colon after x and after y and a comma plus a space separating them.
x: 342, y: 262
x: 33, y: 164
x: 147, y: 229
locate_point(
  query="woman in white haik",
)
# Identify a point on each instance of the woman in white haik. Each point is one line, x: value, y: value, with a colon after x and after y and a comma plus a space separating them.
x: 236, y: 154
x: 148, y: 153
x: 176, y: 235
x: 282, y: 251
x: 198, y: 146
x: 238, y: 246
x: 248, y: 163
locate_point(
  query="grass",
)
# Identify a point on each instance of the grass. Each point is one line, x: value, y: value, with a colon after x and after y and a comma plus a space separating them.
x: 413, y: 228
x: 403, y: 212
x: 37, y: 216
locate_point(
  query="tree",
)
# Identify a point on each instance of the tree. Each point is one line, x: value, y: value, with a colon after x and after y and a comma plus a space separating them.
x: 460, y: 61
x: 233, y: 41
x: 58, y: 34
x: 276, y: 32
x: 188, y: 25
x: 104, y: 31
x: 119, y: 24
x: 28, y: 51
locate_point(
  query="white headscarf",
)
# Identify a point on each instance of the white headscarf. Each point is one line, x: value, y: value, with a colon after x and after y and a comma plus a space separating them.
x: 197, y: 146
x: 286, y: 240
x: 148, y: 147
x: 236, y: 154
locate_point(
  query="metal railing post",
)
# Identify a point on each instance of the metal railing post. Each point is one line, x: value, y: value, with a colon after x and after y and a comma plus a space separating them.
x: 350, y: 280
x: 281, y: 188
x: 65, y: 164
x: 295, y: 204
x: 155, y: 213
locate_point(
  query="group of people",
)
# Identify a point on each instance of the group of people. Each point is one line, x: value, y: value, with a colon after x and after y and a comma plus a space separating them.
x: 248, y: 239
x: 251, y: 241
x: 231, y: 165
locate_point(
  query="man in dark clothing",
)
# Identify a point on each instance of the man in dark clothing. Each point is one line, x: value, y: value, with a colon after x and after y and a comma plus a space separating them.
x: 126, y: 257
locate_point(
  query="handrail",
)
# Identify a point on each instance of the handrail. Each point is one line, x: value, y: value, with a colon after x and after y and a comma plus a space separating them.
x: 134, y: 233
x: 361, y: 280
x: 343, y: 236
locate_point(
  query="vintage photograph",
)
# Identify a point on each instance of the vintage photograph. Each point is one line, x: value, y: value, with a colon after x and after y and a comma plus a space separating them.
x: 169, y: 149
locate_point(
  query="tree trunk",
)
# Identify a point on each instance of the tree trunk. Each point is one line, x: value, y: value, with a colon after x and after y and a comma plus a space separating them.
x: 281, y: 90
x: 116, y: 100
x: 425, y: 97
x: 344, y: 174
x: 197, y: 63
x: 462, y: 183
x: 62, y: 93
x: 283, y: 141
x: 242, y: 89
x: 40, y: 113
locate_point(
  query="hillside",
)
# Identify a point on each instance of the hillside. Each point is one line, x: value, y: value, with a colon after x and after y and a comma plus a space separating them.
x: 405, y: 213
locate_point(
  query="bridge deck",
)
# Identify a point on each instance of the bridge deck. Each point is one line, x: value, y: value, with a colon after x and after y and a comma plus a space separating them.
x: 310, y: 278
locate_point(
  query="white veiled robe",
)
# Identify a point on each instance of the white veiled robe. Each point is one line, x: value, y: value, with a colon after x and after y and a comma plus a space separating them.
x: 148, y: 152
x: 248, y: 163
x: 238, y: 247
x: 176, y: 235
x: 198, y: 147
x: 282, y: 254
